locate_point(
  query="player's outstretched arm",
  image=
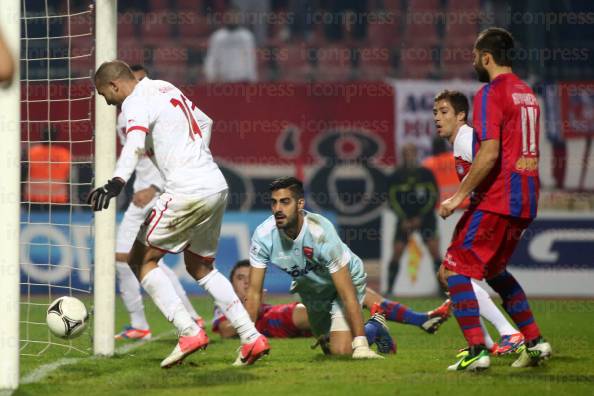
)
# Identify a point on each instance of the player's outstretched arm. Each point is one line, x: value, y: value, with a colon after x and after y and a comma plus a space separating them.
x: 346, y: 291
x: 254, y: 292
x: 485, y: 160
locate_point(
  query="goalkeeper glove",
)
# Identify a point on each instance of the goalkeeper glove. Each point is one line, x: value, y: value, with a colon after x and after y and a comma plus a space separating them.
x: 361, y: 349
x: 99, y: 197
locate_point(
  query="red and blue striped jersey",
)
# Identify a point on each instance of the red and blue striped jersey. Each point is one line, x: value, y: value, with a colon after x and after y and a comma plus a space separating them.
x: 506, y: 109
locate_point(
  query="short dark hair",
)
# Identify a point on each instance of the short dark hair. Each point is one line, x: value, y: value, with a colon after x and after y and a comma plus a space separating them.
x: 498, y: 42
x: 139, y: 67
x: 457, y: 99
x: 289, y: 182
x: 109, y: 71
x: 239, y: 264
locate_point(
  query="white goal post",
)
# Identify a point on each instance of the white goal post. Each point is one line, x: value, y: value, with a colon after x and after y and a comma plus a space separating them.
x: 105, y: 158
x: 10, y: 203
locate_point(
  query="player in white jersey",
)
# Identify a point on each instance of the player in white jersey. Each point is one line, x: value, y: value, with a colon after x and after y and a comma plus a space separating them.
x: 166, y: 126
x: 450, y: 112
x: 147, y: 185
x: 329, y: 277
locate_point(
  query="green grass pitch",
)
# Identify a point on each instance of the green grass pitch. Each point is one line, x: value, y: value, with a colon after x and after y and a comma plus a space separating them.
x: 419, y: 367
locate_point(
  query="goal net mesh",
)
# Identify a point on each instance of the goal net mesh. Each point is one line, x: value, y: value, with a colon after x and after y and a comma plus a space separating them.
x: 57, y: 95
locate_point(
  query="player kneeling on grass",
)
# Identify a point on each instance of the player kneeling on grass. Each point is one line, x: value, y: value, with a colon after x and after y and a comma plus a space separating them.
x: 329, y: 278
x: 290, y: 320
x: 164, y: 124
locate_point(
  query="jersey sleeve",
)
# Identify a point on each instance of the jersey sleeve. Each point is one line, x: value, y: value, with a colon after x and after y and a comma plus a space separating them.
x: 136, y: 115
x: 121, y: 128
x: 463, y: 146
x: 259, y: 252
x: 131, y: 154
x: 488, y: 118
x: 333, y: 254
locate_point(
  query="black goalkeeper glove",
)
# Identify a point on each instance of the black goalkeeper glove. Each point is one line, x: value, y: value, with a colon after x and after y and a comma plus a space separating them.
x: 99, y: 197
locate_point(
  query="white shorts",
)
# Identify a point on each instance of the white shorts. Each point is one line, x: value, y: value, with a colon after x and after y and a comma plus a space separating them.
x: 177, y: 223
x: 128, y: 229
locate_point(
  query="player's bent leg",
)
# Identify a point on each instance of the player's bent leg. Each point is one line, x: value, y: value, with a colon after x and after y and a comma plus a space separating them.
x: 300, y: 318
x: 341, y: 343
x: 254, y: 345
x: 516, y: 305
x: 511, y: 339
x: 191, y: 337
x: 179, y: 289
x: 466, y: 312
x: 397, y: 312
x: 132, y: 298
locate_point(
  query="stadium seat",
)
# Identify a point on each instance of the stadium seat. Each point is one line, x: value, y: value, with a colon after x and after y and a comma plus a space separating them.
x: 293, y: 62
x: 79, y: 24
x: 193, y: 26
x: 385, y: 33
x: 189, y: 5
x: 126, y: 27
x: 170, y: 55
x: 159, y: 5
x: 463, y: 6
x: 374, y: 63
x: 334, y: 63
x: 156, y: 26
x: 132, y: 51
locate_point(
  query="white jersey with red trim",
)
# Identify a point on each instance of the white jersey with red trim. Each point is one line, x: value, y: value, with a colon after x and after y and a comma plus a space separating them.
x: 147, y: 173
x: 464, y: 150
x: 177, y: 139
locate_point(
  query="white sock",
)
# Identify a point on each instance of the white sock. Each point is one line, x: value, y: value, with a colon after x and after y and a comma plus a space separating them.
x: 225, y: 298
x: 158, y: 286
x: 489, y: 311
x: 131, y: 295
x: 488, y: 340
x: 179, y: 289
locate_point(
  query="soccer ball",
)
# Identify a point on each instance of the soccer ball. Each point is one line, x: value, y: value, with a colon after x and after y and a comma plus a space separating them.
x: 67, y: 317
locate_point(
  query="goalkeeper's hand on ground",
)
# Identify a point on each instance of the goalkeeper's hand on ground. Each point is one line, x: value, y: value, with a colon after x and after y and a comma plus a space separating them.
x: 99, y: 197
x: 361, y: 349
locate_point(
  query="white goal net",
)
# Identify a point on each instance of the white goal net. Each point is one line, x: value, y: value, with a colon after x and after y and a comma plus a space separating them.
x: 57, y: 148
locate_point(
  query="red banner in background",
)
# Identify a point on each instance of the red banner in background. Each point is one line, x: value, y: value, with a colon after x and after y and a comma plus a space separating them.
x: 577, y: 109
x: 255, y: 124
x: 278, y: 124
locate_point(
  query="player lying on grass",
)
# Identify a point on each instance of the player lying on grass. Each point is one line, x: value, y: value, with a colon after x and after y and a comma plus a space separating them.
x: 329, y: 278
x: 164, y: 124
x: 450, y: 113
x: 290, y: 320
x: 503, y: 180
x: 148, y: 184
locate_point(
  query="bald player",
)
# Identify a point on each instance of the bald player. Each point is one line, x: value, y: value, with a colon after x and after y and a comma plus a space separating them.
x: 162, y: 123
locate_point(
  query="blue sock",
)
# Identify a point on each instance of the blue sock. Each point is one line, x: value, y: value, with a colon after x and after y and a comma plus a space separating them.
x: 400, y: 313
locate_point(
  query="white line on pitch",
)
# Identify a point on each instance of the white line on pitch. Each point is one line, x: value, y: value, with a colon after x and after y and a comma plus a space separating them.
x: 43, y: 371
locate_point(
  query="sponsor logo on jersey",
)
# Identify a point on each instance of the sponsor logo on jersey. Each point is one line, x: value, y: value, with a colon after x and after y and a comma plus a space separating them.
x: 527, y: 164
x: 296, y: 272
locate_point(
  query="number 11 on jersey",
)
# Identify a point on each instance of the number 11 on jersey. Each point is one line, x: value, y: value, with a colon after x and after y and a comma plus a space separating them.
x: 528, y: 120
